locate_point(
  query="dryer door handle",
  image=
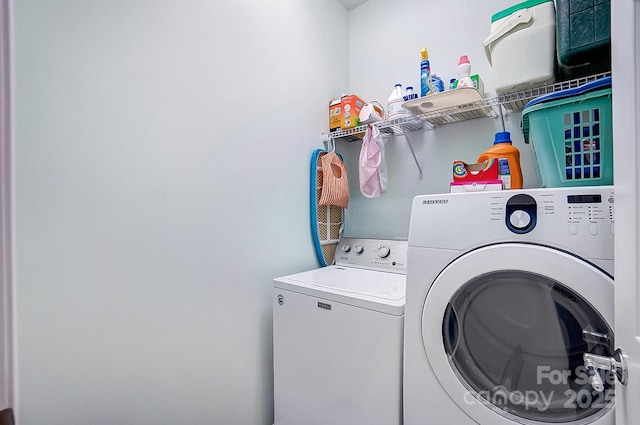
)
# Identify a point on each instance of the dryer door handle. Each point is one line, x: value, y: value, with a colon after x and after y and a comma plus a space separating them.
x: 617, y: 364
x: 450, y: 330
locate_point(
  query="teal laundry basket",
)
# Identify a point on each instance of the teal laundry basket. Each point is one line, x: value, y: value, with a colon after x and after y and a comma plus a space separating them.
x: 570, y: 132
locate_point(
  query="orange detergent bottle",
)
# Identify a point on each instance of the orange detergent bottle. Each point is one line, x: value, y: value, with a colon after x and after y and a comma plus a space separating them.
x: 508, y: 157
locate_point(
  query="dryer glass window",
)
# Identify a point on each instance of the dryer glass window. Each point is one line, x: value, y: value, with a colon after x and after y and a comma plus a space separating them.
x: 516, y: 340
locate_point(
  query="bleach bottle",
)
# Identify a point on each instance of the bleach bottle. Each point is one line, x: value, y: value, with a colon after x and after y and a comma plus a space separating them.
x: 508, y: 157
x: 394, y: 104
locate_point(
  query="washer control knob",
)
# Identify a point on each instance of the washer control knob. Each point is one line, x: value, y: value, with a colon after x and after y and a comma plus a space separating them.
x: 346, y: 247
x: 358, y: 249
x: 383, y: 251
x: 520, y: 219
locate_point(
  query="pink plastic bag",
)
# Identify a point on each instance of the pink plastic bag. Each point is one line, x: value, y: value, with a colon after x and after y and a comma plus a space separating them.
x: 372, y: 165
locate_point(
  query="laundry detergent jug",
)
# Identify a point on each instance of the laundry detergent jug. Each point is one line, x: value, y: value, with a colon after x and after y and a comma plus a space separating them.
x: 508, y: 157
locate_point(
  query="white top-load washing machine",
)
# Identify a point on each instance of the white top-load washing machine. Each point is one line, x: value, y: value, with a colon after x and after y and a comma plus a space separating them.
x: 506, y: 292
x: 337, y: 338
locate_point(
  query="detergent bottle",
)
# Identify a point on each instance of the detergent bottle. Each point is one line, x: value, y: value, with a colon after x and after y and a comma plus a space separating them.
x: 409, y: 94
x: 464, y: 72
x: 508, y: 157
x: 437, y: 84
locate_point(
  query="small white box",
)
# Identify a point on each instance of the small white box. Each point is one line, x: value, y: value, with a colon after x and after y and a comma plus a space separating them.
x: 479, y: 186
x: 521, y: 46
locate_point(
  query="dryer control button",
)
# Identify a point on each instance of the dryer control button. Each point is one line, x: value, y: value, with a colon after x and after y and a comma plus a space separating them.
x: 358, y: 249
x: 346, y: 247
x: 573, y: 229
x: 520, y: 219
x: 593, y: 229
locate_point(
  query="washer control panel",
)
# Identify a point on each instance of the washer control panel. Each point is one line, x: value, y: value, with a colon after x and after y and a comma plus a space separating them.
x: 376, y: 254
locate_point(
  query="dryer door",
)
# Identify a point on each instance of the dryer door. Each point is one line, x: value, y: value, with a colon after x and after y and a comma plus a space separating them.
x: 505, y: 328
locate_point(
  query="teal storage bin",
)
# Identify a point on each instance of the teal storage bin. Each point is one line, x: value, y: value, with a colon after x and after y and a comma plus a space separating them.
x: 570, y: 133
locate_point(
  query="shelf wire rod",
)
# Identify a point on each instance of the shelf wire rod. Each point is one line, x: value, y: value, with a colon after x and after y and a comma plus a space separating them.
x: 415, y: 158
x: 501, y: 117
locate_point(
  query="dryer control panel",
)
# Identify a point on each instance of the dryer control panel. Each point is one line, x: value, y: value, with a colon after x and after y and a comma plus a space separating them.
x: 590, y: 213
x: 585, y: 213
x: 376, y: 254
x: 577, y: 219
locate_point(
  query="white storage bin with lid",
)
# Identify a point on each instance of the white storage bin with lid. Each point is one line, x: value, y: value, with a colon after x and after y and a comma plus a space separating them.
x: 521, y: 46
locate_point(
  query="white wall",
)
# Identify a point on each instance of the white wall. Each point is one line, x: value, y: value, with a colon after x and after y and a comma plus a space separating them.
x: 386, y: 38
x: 162, y: 154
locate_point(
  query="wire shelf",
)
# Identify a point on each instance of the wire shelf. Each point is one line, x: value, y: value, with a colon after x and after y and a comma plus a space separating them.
x: 427, y: 119
x: 388, y: 128
x: 515, y: 102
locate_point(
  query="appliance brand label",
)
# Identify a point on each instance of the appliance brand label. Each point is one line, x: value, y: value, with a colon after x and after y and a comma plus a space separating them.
x: 435, y: 201
x: 324, y: 305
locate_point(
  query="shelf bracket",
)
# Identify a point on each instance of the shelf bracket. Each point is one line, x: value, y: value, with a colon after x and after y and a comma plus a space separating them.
x: 327, y: 140
x: 415, y: 158
x: 501, y: 117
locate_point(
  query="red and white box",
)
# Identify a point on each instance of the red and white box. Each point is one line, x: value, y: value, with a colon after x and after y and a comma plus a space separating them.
x: 475, y: 177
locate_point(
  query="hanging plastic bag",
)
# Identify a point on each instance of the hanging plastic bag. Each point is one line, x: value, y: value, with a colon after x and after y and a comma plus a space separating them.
x: 335, y: 186
x: 372, y: 164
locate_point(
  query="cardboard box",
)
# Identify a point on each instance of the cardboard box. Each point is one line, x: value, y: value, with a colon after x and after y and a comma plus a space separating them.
x: 335, y: 114
x: 477, y: 83
x: 351, y: 106
x: 343, y: 112
x: 479, y: 172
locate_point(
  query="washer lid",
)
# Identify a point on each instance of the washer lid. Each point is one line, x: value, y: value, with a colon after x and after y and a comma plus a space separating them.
x: 374, y: 290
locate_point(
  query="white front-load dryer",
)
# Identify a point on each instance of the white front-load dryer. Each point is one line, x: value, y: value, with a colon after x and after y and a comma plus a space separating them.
x: 506, y: 292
